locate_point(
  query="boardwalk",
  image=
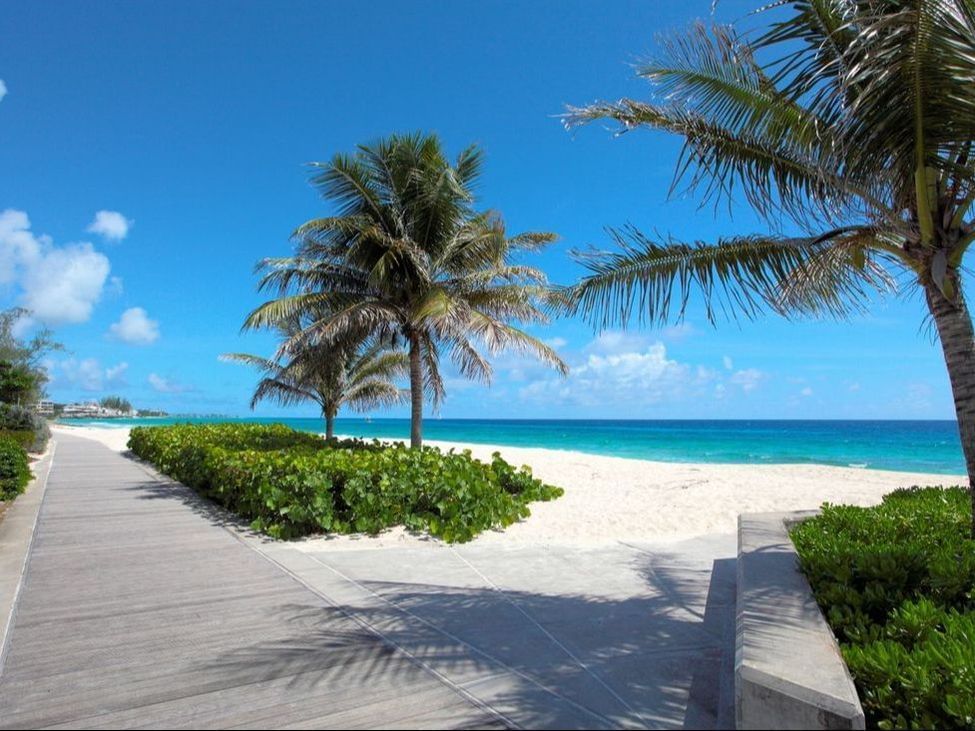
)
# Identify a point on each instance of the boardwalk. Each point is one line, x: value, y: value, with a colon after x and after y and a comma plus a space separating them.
x: 139, y: 611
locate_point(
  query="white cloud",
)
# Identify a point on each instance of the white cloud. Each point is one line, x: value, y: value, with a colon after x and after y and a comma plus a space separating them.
x: 556, y: 343
x: 614, y: 341
x: 631, y: 378
x: 111, y: 225
x: 18, y: 245
x: 58, y: 284
x: 728, y: 363
x: 806, y: 392
x: 3, y: 90
x: 135, y: 328
x: 65, y: 284
x: 165, y: 385
x: 86, y: 374
x: 748, y: 379
x: 679, y: 331
x: 854, y: 387
x: 116, y: 374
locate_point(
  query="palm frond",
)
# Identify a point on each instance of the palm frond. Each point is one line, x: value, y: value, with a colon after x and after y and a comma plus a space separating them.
x: 374, y: 394
x: 283, y: 392
x: 736, y: 277
x: 255, y: 361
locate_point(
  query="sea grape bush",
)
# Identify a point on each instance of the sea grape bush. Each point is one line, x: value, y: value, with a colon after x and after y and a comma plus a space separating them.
x: 24, y: 437
x: 897, y: 584
x: 14, y: 469
x: 290, y: 483
x: 14, y: 418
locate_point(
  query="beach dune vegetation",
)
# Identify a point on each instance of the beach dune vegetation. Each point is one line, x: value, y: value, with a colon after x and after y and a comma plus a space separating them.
x: 897, y: 584
x: 14, y: 468
x: 851, y: 122
x: 289, y: 483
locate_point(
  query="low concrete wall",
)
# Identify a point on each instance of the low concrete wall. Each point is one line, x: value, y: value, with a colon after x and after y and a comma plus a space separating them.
x: 789, y: 673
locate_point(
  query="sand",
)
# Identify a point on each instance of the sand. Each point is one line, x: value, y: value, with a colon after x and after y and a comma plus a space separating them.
x: 611, y: 499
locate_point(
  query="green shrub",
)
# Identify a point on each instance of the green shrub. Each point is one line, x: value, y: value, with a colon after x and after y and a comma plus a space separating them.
x: 14, y: 469
x: 897, y: 584
x: 20, y: 418
x: 23, y: 437
x: 292, y: 483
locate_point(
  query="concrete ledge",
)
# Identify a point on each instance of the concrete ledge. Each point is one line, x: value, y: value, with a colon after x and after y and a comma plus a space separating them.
x: 789, y: 673
x: 16, y: 538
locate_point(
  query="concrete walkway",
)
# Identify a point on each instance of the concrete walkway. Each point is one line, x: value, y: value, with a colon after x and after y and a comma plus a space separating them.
x: 138, y: 610
x: 631, y: 636
x: 145, y: 607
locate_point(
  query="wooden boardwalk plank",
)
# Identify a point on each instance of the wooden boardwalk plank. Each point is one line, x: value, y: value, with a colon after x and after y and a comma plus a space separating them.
x: 139, y: 610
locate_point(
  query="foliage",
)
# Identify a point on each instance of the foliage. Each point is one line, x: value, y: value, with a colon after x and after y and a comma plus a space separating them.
x: 848, y: 120
x: 291, y: 483
x: 897, y: 585
x: 23, y: 357
x: 23, y: 437
x: 21, y: 418
x: 14, y: 469
x: 116, y: 402
x: 357, y: 373
x: 407, y: 257
x: 843, y: 128
x: 19, y: 383
x: 15, y: 349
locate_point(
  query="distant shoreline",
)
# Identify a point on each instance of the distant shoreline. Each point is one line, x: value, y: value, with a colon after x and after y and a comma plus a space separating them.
x: 930, y: 447
x: 610, y: 499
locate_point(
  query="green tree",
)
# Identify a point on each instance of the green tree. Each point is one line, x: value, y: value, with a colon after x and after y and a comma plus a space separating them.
x: 18, y: 351
x: 857, y: 127
x: 406, y: 256
x: 20, y: 359
x: 19, y: 383
x: 358, y: 375
x: 116, y: 402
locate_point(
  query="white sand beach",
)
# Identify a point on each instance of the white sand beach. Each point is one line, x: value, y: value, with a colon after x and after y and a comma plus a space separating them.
x: 611, y: 499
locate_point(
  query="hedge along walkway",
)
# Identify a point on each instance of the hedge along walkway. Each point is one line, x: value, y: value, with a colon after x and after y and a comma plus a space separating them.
x: 136, y: 611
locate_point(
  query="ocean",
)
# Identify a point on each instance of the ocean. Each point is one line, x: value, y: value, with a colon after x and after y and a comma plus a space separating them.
x: 914, y: 446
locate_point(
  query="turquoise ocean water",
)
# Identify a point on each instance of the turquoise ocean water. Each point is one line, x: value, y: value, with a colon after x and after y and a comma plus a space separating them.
x: 916, y: 446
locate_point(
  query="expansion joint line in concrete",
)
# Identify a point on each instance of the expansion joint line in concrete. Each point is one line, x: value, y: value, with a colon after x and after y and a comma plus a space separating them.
x: 474, y: 700
x: 554, y: 640
x: 240, y: 537
x: 464, y: 643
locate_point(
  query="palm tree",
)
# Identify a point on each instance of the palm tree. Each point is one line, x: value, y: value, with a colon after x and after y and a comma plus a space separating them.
x: 857, y: 130
x: 359, y: 376
x: 406, y: 256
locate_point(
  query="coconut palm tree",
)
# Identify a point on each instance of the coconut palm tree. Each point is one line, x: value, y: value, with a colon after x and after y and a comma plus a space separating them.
x: 855, y: 128
x: 358, y: 375
x: 407, y: 256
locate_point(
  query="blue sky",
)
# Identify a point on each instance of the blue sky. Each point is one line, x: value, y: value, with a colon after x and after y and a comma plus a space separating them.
x: 188, y: 126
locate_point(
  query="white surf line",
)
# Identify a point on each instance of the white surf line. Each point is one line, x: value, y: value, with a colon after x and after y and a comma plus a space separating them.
x: 588, y: 711
x: 575, y: 658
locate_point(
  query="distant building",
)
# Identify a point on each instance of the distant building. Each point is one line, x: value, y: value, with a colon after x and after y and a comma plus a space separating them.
x: 91, y: 410
x: 45, y: 408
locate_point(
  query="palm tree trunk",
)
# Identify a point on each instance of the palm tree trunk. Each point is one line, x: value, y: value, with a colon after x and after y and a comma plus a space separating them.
x: 416, y: 394
x: 329, y: 424
x: 957, y: 336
